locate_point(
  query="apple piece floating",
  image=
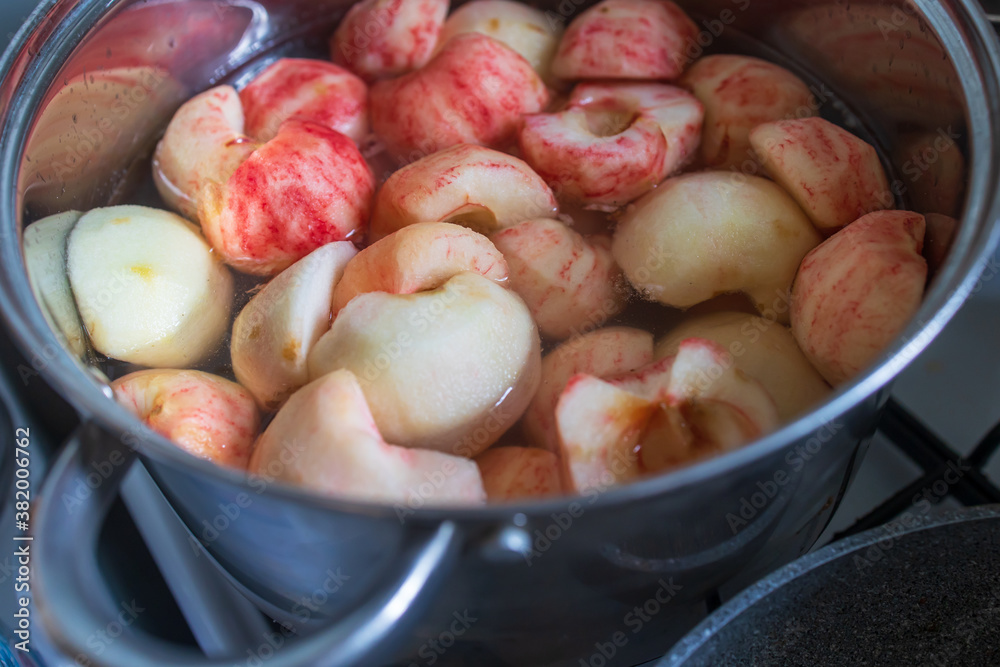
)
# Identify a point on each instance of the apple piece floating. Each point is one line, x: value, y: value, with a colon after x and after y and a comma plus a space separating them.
x: 307, y: 187
x: 613, y: 142
x: 856, y: 292
x: 479, y: 188
x: 626, y: 39
x: 203, y: 414
x: 45, y: 248
x: 417, y: 258
x: 569, y: 282
x: 474, y: 91
x: 275, y: 331
x: 324, y: 439
x: 148, y: 288
x: 740, y: 93
x: 378, y: 39
x: 449, y: 369
x: 305, y: 89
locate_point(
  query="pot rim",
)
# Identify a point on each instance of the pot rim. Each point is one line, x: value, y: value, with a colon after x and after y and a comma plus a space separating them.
x: 35, y: 56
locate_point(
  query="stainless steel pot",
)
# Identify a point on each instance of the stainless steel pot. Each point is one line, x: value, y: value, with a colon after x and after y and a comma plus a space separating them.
x: 552, y: 582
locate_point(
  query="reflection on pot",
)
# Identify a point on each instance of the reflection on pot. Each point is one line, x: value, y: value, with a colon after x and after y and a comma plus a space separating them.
x: 118, y: 92
x: 885, y: 53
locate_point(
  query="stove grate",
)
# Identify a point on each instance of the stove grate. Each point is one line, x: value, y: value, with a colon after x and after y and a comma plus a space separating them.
x: 935, y: 458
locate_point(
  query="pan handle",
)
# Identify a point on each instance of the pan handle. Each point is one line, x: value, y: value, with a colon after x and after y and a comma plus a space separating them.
x: 73, y: 605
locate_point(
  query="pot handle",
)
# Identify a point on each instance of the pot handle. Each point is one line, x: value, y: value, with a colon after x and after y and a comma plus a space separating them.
x: 74, y: 606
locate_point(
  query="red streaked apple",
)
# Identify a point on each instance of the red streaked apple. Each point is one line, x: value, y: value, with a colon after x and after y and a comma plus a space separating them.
x: 205, y: 142
x: 602, y: 353
x: 626, y: 39
x: 600, y: 426
x: 670, y: 413
x: 378, y: 39
x: 474, y: 91
x: 613, y: 142
x: 204, y: 414
x: 305, y: 89
x: 568, y: 281
x: 740, y: 93
x: 763, y: 349
x: 479, y: 188
x: 307, y: 187
x: 723, y: 407
x: 833, y: 175
x: 856, y: 292
x: 515, y: 473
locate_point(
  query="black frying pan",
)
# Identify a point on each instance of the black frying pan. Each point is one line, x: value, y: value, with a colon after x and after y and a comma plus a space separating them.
x: 918, y: 591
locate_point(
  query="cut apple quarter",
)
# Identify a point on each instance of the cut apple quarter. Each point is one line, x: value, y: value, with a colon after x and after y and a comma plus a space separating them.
x: 740, y: 93
x: 523, y: 28
x: 148, y: 288
x: 672, y: 412
x: 834, y: 176
x: 709, y: 233
x: 45, y: 259
x: 275, y: 331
